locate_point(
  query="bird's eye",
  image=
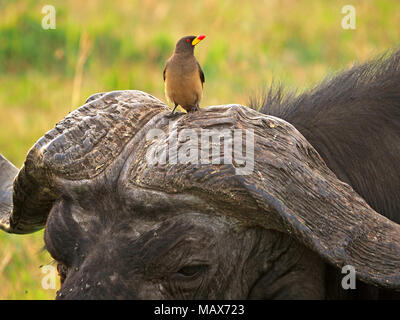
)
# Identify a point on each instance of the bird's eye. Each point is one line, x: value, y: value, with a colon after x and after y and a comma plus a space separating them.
x: 187, y: 40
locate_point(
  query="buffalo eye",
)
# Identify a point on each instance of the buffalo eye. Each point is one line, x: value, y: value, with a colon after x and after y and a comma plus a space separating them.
x: 191, y: 271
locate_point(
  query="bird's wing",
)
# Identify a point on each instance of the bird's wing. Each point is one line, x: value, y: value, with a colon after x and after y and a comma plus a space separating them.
x: 203, y: 79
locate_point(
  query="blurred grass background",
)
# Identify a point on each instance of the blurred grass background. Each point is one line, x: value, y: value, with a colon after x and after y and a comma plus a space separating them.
x: 109, y: 45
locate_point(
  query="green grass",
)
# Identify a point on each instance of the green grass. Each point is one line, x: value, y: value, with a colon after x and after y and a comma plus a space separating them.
x: 248, y: 45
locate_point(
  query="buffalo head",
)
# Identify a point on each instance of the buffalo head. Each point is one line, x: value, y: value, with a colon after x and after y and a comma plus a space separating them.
x: 132, y: 210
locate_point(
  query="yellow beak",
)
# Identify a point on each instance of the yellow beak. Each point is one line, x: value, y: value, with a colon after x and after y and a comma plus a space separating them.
x: 198, y: 39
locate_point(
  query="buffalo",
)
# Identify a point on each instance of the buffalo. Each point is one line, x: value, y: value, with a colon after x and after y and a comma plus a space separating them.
x: 225, y: 203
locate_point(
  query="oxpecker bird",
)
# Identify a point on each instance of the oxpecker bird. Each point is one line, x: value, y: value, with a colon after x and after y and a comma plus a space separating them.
x: 183, y: 76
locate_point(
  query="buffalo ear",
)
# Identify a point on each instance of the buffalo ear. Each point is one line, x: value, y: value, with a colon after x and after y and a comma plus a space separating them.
x: 8, y: 172
x: 293, y: 187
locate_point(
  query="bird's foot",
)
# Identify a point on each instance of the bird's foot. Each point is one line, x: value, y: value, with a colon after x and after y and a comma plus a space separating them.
x: 194, y: 109
x: 174, y: 114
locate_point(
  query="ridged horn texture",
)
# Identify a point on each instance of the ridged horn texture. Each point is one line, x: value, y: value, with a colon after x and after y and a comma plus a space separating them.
x: 81, y: 146
x: 289, y: 187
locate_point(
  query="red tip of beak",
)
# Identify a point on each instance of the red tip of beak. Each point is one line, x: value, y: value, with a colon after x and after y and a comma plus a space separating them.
x: 201, y: 37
